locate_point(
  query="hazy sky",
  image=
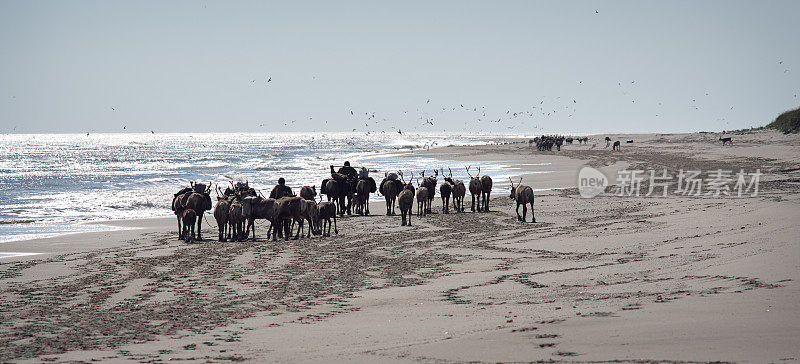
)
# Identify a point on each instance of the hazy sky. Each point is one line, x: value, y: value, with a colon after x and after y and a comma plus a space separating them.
x: 617, y: 66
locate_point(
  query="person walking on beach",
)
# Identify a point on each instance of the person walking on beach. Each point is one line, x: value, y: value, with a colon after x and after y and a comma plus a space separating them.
x: 281, y: 190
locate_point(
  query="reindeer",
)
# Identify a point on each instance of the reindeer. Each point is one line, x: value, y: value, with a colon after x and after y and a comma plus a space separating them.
x: 459, y: 190
x: 422, y: 200
x: 475, y: 188
x: 430, y: 183
x: 486, y: 191
x: 327, y: 210
x: 237, y: 214
x: 221, y: 211
x: 289, y: 212
x: 198, y: 199
x: 446, y: 190
x: 616, y: 145
x: 726, y: 140
x: 310, y: 213
x: 261, y: 208
x: 390, y: 188
x: 362, y: 196
x: 178, y: 201
x: 608, y: 141
x: 188, y: 224
x: 406, y: 201
x: 308, y: 192
x: 523, y: 195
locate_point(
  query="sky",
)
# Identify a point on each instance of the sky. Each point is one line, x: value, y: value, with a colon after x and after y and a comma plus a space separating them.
x: 562, y: 66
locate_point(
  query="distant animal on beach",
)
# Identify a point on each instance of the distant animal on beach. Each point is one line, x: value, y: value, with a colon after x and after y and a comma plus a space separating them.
x: 459, y: 190
x: 486, y: 191
x: 406, y: 202
x: 309, y: 212
x: 608, y: 142
x: 362, y: 196
x: 221, y: 211
x: 188, y: 224
x: 326, y: 212
x: 629, y: 141
x: 236, y: 219
x: 178, y: 200
x: 616, y: 145
x: 258, y: 207
x: 726, y: 140
x: 430, y: 183
x: 390, y: 188
x: 197, y: 198
x: 289, y: 213
x: 446, y: 189
x: 523, y: 195
x: 308, y: 192
x: 422, y: 200
x: 475, y: 188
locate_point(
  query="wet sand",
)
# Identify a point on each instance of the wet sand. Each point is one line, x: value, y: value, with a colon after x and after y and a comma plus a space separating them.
x: 607, y: 279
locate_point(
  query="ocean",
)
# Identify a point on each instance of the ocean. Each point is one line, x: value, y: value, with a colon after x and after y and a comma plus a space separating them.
x: 52, y: 184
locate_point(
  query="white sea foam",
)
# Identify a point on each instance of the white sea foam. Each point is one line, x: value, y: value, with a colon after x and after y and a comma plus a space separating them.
x: 61, y: 180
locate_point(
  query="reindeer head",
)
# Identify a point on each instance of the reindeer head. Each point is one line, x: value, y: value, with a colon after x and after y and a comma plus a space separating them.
x: 513, y: 194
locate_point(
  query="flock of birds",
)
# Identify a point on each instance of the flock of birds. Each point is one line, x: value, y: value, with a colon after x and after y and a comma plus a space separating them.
x: 476, y: 118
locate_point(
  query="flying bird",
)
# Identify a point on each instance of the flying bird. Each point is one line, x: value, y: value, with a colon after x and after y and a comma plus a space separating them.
x: 269, y: 79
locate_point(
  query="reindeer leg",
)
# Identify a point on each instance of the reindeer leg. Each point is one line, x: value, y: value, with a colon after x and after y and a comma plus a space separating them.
x: 199, y: 220
x: 180, y: 230
x: 533, y: 218
x: 335, y: 229
x: 524, y: 212
x: 518, y: 219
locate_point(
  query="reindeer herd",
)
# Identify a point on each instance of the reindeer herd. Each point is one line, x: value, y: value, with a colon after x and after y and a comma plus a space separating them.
x: 239, y: 206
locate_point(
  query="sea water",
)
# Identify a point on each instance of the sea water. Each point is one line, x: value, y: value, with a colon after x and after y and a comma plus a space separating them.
x: 52, y: 184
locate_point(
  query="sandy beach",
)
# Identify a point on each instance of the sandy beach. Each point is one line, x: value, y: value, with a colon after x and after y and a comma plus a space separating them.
x: 606, y: 279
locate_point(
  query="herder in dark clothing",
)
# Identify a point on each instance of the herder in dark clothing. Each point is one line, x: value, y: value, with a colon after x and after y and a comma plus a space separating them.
x: 281, y: 190
x: 348, y: 171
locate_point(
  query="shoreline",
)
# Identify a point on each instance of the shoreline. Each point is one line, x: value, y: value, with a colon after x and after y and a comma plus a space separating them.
x: 676, y: 279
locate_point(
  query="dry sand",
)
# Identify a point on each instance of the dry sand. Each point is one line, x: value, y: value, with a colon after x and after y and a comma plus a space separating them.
x: 608, y: 279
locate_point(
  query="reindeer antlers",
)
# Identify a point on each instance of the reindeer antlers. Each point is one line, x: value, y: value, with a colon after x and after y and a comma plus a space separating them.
x: 467, y: 167
x: 451, y: 172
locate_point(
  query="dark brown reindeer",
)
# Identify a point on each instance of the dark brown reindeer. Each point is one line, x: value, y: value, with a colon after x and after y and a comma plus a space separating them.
x: 237, y: 215
x: 390, y: 188
x: 260, y: 208
x: 178, y: 201
x: 327, y: 210
x: 188, y: 225
x: 616, y: 145
x: 475, y: 188
x: 430, y: 183
x: 308, y: 192
x: 727, y: 140
x: 459, y: 191
x: 486, y: 191
x: 523, y: 195
x: 363, y: 188
x: 221, y: 211
x: 446, y: 189
x: 422, y: 200
x: 406, y: 201
x: 198, y: 199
